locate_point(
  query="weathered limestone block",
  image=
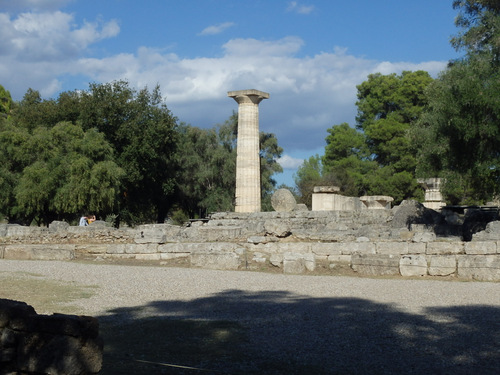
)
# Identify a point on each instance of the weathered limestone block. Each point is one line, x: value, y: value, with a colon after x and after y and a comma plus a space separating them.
x: 146, y: 248
x: 413, y: 265
x: 480, y: 247
x: 376, y: 202
x: 115, y: 249
x: 259, y: 257
x: 278, y: 228
x: 442, y: 265
x: 417, y: 247
x: 219, y: 233
x: 424, y: 237
x: 375, y: 264
x: 56, y: 344
x: 443, y: 248
x: 152, y: 256
x: 39, y: 252
x: 327, y: 201
x: 13, y: 230
x: 327, y: 189
x: 215, y: 260
x: 58, y: 226
x: 173, y: 256
x: 92, y: 248
x: 184, y: 247
x: 261, y: 239
x: 157, y: 233
x: 342, y: 259
x: 301, y: 207
x: 2, y: 249
x: 283, y: 201
x: 357, y: 247
x: 280, y: 247
x: 491, y: 232
x: 479, y: 267
x: 395, y: 248
x: 296, y: 263
x: 400, y: 234
x: 326, y: 248
x: 276, y: 260
x: 433, y: 197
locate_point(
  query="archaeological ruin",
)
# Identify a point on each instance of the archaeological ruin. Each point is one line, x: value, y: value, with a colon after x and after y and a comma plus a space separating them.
x: 408, y: 240
x: 364, y: 235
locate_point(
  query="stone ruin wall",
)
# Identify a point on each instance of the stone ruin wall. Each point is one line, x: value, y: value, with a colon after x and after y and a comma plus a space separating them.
x: 47, y: 344
x: 369, y: 242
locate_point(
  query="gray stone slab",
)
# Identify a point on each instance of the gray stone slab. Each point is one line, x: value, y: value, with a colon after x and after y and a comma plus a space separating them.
x: 480, y: 247
x: 442, y: 265
x: 297, y: 263
x: 443, y: 248
x: 413, y: 265
x: 215, y: 260
x: 392, y: 247
x: 479, y: 267
x: 375, y: 264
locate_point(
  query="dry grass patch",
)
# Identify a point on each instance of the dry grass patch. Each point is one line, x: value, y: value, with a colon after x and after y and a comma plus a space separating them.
x: 46, y: 296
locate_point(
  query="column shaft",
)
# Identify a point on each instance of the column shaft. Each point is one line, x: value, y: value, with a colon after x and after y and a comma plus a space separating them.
x: 248, y: 198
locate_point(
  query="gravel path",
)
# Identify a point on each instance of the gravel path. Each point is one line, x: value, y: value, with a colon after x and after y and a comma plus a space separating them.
x: 350, y: 325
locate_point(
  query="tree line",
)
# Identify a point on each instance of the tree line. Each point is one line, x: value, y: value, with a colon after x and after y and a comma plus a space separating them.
x: 118, y: 153
x: 411, y: 126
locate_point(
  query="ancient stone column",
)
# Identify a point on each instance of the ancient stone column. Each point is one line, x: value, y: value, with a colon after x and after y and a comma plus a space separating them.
x: 247, y: 152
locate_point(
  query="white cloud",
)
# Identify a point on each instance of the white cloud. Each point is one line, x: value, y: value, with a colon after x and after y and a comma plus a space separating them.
x: 49, y: 36
x: 294, y: 6
x: 289, y: 162
x: 308, y: 94
x: 38, y: 5
x: 216, y: 29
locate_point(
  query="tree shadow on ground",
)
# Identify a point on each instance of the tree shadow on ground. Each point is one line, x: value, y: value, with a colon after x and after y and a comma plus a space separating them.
x: 239, y: 332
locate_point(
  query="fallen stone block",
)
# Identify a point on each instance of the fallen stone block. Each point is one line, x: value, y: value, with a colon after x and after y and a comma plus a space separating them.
x: 395, y: 248
x: 413, y: 265
x: 215, y: 260
x: 326, y: 248
x: 340, y: 259
x: 296, y: 263
x: 417, y: 247
x: 375, y: 264
x: 148, y: 256
x: 42, y: 344
x: 278, y: 228
x: 444, y: 248
x: 442, y: 265
x: 146, y: 248
x: 39, y: 252
x: 276, y: 260
x: 480, y: 247
x: 479, y: 267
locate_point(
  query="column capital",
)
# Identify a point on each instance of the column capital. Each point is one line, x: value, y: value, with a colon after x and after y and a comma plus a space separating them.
x: 248, y: 96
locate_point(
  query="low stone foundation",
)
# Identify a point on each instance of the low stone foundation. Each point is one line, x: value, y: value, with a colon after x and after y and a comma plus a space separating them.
x: 43, y: 344
x: 400, y: 241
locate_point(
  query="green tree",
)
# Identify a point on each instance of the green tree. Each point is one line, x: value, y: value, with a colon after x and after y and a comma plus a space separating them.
x: 376, y: 157
x: 479, y: 24
x: 143, y: 133
x: 387, y: 106
x: 68, y: 172
x: 5, y: 102
x: 458, y: 137
x: 348, y: 159
x: 308, y: 175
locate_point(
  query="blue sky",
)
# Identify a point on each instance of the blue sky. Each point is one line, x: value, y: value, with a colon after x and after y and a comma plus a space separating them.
x: 308, y: 54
